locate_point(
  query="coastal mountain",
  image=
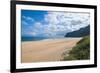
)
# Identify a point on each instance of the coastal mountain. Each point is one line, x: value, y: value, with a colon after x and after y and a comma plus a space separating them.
x: 79, y: 33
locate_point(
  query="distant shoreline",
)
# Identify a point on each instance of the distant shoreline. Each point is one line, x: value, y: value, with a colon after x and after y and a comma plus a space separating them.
x: 52, y: 39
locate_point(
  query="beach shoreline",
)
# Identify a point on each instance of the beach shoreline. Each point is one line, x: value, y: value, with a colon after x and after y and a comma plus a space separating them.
x: 46, y: 50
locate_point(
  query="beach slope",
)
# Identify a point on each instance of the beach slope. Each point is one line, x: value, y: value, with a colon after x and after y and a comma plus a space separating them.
x: 46, y: 50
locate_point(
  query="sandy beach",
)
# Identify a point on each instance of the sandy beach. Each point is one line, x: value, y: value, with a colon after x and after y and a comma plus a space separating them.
x: 46, y: 50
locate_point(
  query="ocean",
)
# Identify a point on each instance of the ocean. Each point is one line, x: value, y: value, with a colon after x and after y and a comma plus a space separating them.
x: 32, y: 38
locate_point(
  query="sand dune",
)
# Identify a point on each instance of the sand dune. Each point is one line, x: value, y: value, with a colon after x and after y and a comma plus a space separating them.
x: 46, y: 50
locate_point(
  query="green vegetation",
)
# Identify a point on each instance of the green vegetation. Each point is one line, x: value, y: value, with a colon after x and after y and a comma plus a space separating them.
x: 81, y: 51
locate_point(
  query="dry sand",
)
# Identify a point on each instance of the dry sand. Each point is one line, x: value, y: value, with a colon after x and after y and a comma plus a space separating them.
x: 46, y: 50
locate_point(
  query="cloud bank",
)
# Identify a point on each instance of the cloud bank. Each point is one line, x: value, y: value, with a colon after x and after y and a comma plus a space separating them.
x: 55, y: 24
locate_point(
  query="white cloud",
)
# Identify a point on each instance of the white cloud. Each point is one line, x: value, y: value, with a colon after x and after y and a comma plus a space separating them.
x: 28, y: 33
x: 31, y: 19
x: 65, y: 21
x: 59, y: 23
x: 24, y: 22
x: 33, y: 33
x: 27, y: 18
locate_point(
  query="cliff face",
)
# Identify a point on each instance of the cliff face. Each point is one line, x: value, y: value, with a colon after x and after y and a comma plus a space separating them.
x: 79, y: 33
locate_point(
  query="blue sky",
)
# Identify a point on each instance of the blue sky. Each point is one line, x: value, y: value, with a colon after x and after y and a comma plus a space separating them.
x: 50, y: 23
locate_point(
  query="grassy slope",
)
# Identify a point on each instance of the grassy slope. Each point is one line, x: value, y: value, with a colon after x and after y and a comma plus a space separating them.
x: 81, y: 51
